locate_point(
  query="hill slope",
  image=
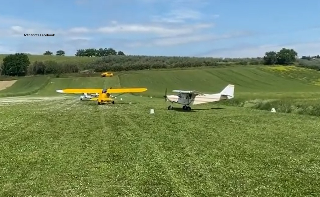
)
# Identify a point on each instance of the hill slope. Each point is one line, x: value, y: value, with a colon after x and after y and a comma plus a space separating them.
x: 25, y: 86
x: 249, y: 81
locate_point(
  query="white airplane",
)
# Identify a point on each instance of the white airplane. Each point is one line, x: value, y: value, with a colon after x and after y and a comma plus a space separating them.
x: 86, y: 96
x: 187, y: 98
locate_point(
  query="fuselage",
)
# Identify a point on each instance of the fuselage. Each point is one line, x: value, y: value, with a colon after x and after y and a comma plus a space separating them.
x: 192, y: 99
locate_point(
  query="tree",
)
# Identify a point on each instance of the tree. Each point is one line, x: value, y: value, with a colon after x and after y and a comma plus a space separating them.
x: 90, y: 52
x: 270, y: 58
x: 39, y: 68
x: 47, y: 53
x: 120, y: 53
x: 80, y: 52
x: 16, y: 65
x: 110, y: 51
x: 286, y: 56
x: 60, y: 53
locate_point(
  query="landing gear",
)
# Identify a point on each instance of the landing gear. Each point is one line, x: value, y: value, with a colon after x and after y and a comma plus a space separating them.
x: 112, y: 102
x: 170, y: 107
x: 187, y: 108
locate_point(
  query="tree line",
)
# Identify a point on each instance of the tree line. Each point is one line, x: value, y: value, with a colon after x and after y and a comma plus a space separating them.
x: 19, y: 64
x: 91, y: 52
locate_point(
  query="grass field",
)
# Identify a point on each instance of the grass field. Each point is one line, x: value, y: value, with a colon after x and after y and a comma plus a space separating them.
x: 64, y: 147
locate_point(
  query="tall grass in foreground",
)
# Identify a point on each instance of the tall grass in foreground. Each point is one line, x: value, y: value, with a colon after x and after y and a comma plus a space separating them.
x: 296, y: 106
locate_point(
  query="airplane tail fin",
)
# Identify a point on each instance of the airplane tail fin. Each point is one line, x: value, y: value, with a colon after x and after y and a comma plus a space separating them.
x: 228, y: 91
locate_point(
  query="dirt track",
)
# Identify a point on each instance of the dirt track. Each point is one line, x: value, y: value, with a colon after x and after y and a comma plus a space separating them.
x: 6, y: 84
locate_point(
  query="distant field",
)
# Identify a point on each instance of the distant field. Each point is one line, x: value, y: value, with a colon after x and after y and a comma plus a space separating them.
x: 59, y: 59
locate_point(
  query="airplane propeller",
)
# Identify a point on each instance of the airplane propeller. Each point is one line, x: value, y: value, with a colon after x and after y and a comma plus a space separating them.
x: 165, y: 95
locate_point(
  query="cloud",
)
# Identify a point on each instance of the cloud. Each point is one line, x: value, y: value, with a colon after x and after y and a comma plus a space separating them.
x: 173, y: 29
x: 159, y: 30
x: 179, y: 40
x: 307, y: 48
x: 178, y: 16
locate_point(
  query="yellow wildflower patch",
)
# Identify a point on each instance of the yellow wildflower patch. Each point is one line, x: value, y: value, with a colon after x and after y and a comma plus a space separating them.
x: 283, y: 68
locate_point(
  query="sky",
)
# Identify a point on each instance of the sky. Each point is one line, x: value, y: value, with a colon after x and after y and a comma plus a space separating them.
x: 202, y: 28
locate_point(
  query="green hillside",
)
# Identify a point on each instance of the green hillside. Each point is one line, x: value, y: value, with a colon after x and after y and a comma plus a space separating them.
x: 26, y: 86
x: 248, y: 81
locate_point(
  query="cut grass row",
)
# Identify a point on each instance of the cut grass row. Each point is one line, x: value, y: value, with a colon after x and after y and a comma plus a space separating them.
x: 55, y: 149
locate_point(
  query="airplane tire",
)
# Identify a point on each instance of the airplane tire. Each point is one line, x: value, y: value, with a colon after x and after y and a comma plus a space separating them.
x: 112, y: 102
x: 188, y: 108
x: 170, y: 107
x: 184, y: 107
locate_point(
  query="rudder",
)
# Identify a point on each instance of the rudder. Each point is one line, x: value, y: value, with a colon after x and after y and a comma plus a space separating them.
x: 228, y: 91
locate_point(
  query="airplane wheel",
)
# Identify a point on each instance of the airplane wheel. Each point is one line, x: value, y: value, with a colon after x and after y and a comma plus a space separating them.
x: 112, y: 102
x: 184, y: 107
x: 99, y: 103
x: 170, y: 107
x: 188, y: 108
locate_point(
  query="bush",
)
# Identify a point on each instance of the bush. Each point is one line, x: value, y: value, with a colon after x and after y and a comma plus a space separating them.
x: 15, y: 65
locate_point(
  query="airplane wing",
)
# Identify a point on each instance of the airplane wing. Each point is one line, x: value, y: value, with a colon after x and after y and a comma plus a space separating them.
x: 110, y: 91
x: 126, y: 90
x: 187, y: 91
x: 79, y: 91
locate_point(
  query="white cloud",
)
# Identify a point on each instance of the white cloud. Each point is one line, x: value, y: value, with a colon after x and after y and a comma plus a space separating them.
x: 179, y: 40
x: 73, y: 38
x: 178, y: 16
x: 309, y: 48
x: 79, y: 30
x: 160, y: 30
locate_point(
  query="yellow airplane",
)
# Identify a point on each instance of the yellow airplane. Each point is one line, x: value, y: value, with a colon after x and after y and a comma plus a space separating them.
x: 104, y: 94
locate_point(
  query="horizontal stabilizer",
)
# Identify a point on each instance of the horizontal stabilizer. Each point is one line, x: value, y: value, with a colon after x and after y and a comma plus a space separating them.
x: 79, y: 91
x: 126, y: 90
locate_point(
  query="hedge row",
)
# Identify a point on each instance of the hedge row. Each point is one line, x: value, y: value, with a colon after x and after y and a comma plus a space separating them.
x: 125, y: 63
x: 311, y: 64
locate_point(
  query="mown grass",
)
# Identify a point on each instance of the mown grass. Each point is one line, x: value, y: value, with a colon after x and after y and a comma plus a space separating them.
x: 72, y: 148
x: 59, y: 59
x: 26, y: 86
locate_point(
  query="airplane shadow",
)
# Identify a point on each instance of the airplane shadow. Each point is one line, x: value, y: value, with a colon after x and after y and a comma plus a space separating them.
x: 217, y: 108
x: 194, y: 110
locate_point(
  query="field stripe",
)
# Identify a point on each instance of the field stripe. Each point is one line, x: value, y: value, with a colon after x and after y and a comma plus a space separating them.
x: 175, y: 179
